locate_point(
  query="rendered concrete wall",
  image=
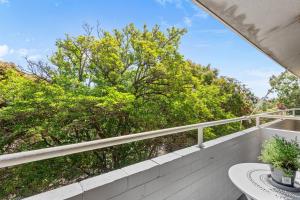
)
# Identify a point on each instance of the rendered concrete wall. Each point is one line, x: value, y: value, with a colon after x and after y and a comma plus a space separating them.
x: 291, y: 125
x: 267, y: 133
x: 188, y: 174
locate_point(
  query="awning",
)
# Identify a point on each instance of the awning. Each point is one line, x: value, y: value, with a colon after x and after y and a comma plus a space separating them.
x: 273, y: 26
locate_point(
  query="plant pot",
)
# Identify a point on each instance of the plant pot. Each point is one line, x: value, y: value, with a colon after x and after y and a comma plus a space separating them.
x: 281, y: 178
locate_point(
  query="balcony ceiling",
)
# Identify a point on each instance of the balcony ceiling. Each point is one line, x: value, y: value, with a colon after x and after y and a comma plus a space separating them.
x: 273, y: 26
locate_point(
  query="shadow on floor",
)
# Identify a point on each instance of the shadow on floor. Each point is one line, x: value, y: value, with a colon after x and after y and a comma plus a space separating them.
x: 243, y: 197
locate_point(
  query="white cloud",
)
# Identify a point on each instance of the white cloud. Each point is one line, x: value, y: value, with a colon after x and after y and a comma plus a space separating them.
x: 4, y: 1
x: 185, y: 5
x: 187, y: 21
x: 261, y: 73
x: 4, y: 50
x: 164, y: 23
x: 177, y: 3
x: 31, y: 54
x: 17, y: 55
x: 199, y: 12
x: 22, y: 52
x: 258, y: 79
x: 36, y: 57
x: 163, y: 2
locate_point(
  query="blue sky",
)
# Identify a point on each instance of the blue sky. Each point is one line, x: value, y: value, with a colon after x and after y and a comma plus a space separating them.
x: 31, y: 27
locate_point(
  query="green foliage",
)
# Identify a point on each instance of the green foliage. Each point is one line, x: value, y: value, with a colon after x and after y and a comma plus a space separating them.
x: 106, y: 85
x: 286, y: 85
x: 281, y: 154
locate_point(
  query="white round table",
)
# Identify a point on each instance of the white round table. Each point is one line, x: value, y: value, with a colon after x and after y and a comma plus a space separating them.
x: 251, y: 179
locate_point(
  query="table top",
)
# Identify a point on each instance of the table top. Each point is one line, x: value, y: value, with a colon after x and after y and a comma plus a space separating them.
x: 251, y: 179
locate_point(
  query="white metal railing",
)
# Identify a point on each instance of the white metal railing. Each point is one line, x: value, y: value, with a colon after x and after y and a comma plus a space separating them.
x: 8, y: 160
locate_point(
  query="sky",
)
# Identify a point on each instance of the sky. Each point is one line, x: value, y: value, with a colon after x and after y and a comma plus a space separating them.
x: 29, y: 28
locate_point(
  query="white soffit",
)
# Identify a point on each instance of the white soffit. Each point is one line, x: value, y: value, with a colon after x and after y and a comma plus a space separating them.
x: 273, y: 26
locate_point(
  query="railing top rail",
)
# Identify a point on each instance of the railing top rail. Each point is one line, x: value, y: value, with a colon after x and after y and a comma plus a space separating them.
x: 7, y: 160
x: 280, y: 117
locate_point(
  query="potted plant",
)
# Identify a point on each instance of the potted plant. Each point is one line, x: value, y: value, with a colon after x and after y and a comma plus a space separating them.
x: 283, y: 157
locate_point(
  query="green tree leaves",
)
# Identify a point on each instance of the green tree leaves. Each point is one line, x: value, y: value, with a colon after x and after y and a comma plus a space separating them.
x: 287, y: 87
x: 106, y: 85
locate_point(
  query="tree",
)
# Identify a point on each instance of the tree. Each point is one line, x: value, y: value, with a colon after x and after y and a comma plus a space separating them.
x: 286, y: 86
x: 105, y: 85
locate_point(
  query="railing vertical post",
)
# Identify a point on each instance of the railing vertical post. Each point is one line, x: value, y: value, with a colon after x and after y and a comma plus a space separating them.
x: 257, y: 121
x: 294, y: 112
x: 241, y: 124
x: 200, y: 136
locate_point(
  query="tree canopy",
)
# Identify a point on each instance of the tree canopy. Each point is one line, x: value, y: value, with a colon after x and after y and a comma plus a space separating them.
x: 106, y: 84
x: 287, y: 87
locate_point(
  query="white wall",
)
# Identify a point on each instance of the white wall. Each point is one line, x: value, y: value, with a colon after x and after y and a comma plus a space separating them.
x: 268, y: 133
x: 285, y: 125
x: 187, y: 174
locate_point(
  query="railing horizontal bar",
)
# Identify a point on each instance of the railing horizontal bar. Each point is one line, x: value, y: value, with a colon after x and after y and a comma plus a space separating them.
x: 41, y: 154
x: 7, y: 160
x: 281, y: 117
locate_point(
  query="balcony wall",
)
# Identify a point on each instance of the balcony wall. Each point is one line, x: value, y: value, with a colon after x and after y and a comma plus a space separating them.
x: 283, y: 128
x: 190, y: 173
x: 288, y: 124
x: 187, y: 174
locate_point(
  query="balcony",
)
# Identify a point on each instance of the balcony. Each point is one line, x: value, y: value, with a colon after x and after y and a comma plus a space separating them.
x: 196, y: 172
